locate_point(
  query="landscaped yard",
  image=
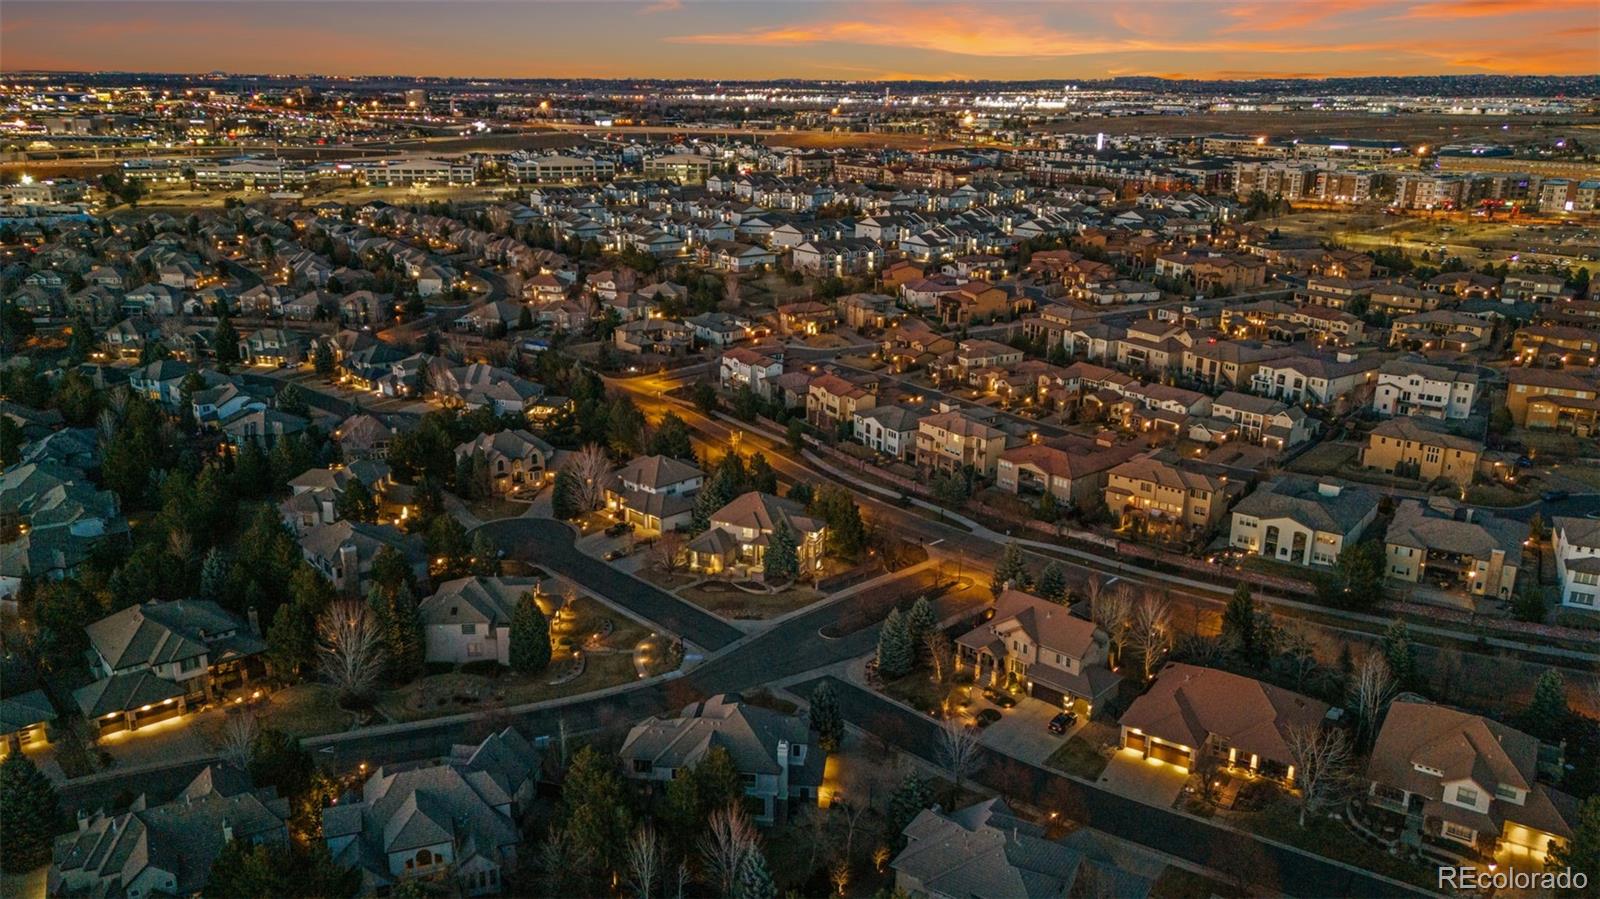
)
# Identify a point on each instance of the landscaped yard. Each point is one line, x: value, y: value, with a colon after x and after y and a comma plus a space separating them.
x: 1332, y: 839
x: 1080, y: 756
x: 1324, y: 458
x: 495, y: 507
x: 724, y: 599
x: 1500, y: 495
x: 304, y: 710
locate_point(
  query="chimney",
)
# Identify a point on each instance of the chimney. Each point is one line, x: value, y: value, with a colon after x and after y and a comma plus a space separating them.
x: 255, y: 621
x: 83, y: 820
x: 227, y: 831
x: 1329, y: 490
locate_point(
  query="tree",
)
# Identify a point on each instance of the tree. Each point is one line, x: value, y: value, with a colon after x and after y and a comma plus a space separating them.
x: 225, y: 343
x: 847, y: 536
x: 1371, y: 689
x: 958, y: 749
x: 1398, y: 653
x: 591, y: 471
x: 667, y: 552
x: 1010, y: 571
x: 485, y: 555
x: 11, y: 441
x: 755, y: 881
x: 671, y: 438
x: 1150, y: 632
x: 1359, y: 572
x: 921, y: 620
x: 529, y: 652
x: 644, y: 861
x: 322, y: 360
x: 278, y: 760
x: 238, y: 738
x: 730, y: 838
x: 356, y: 502
x: 895, y: 652
x: 782, y: 559
x: 30, y: 814
x: 594, y: 813
x: 762, y: 475
x: 1239, y: 622
x: 214, y: 573
x: 1546, y: 715
x: 1529, y: 603
x: 826, y: 718
x: 292, y: 400
x: 1582, y: 852
x: 447, y: 540
x: 350, y: 649
x: 1110, y: 609
x: 941, y: 655
x: 404, y: 647
x: 908, y: 800
x: 264, y: 871
x: 1322, y: 765
x: 1052, y: 583
x: 564, y: 496
x: 704, y: 397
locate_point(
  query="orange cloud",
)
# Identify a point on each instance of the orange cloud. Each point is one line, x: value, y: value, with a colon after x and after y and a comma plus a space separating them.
x: 1288, y: 16
x: 1477, y: 9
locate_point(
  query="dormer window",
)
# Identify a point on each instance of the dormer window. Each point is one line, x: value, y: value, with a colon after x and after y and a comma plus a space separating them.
x: 1427, y: 770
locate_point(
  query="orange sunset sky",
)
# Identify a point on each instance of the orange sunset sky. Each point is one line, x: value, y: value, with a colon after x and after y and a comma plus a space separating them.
x: 865, y: 39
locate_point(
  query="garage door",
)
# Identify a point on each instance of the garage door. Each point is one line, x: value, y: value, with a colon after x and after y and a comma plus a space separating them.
x: 1133, y: 741
x: 1054, y: 697
x: 1172, y: 755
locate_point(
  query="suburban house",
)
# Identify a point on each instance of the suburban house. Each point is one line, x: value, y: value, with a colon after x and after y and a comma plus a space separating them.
x: 263, y: 427
x: 156, y: 659
x: 741, y: 531
x: 1577, y: 551
x: 1549, y: 400
x: 469, y: 619
x: 1407, y: 387
x: 1074, y: 472
x: 755, y: 369
x: 455, y: 818
x: 891, y: 430
x: 167, y: 850
x: 654, y: 492
x: 1421, y: 450
x: 1042, y: 647
x: 774, y: 753
x: 1192, y: 715
x: 1263, y: 421
x: 1172, y: 493
x: 1467, y: 780
x: 24, y: 721
x: 1302, y: 521
x: 345, y: 550
x: 950, y: 440
x: 832, y: 401
x: 314, y: 494
x: 516, y: 459
x: 986, y: 851
x: 1446, y: 545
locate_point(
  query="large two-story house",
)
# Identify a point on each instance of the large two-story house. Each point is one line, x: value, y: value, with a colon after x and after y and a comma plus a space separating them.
x: 741, y: 531
x: 1043, y: 648
x: 775, y: 754
x: 1301, y: 520
x: 654, y: 492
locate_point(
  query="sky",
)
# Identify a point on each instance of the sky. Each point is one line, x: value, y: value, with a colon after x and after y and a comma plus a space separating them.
x: 863, y: 39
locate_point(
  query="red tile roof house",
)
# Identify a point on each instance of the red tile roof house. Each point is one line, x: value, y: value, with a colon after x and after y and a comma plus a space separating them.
x: 1039, y: 646
x: 1242, y: 722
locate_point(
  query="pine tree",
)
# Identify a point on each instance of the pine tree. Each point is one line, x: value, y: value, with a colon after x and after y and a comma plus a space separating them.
x: 291, y: 640
x: 356, y: 503
x: 564, y: 496
x: 225, y: 343
x: 214, y: 573
x: 1011, y: 570
x: 1582, y: 852
x: 1239, y: 623
x: 530, y: 637
x: 1052, y: 583
x: 826, y: 718
x: 921, y: 621
x: 485, y: 555
x: 908, y: 800
x: 30, y: 814
x: 403, y: 644
x: 1398, y: 653
x: 594, y: 813
x: 322, y: 359
x: 755, y: 881
x: 1546, y: 715
x: 895, y: 654
x: 782, y: 560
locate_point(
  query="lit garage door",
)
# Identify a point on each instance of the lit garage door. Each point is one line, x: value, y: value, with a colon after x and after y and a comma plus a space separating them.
x: 1133, y: 741
x: 1172, y: 755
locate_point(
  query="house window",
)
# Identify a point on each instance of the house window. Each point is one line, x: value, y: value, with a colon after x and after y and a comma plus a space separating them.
x: 189, y: 664
x: 1458, y: 833
x: 469, y: 629
x: 1467, y: 796
x: 1503, y: 791
x: 641, y: 766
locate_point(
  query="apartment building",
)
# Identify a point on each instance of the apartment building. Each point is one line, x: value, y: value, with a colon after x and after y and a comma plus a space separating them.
x: 560, y: 169
x: 1407, y: 387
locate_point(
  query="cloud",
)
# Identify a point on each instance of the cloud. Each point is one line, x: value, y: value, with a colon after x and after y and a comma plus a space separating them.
x: 1478, y: 9
x: 1286, y: 16
x: 662, y: 6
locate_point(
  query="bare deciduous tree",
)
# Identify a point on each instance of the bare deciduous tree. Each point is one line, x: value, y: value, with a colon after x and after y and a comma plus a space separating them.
x: 236, y: 744
x: 350, y: 647
x: 941, y: 655
x: 667, y: 554
x: 591, y: 468
x: 1370, y: 691
x: 958, y: 749
x: 730, y: 839
x: 1322, y: 764
x: 1111, y: 608
x: 644, y: 861
x: 1150, y: 631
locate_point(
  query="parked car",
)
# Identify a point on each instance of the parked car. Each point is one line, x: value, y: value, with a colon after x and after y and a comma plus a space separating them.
x: 1000, y: 698
x: 986, y: 717
x: 1062, y: 722
x: 1551, y: 496
x: 614, y: 555
x: 618, y: 529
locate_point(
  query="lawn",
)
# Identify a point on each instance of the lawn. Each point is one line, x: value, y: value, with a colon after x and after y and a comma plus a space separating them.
x: 1499, y: 495
x: 730, y: 602
x: 1587, y: 475
x: 918, y: 691
x: 1325, y: 458
x: 1331, y: 839
x: 1080, y: 756
x: 494, y: 507
x: 304, y: 710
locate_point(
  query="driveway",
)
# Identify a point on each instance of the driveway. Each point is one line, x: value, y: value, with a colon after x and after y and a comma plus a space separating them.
x: 1024, y: 731
x: 1146, y: 780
